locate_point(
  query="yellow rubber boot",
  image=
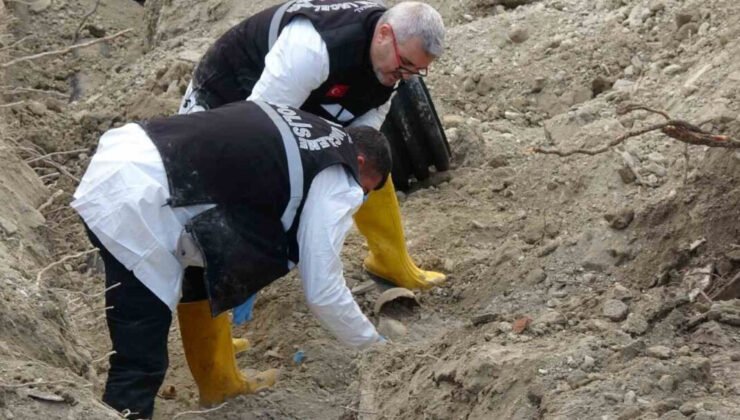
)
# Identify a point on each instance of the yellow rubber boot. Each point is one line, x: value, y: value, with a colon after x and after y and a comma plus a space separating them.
x: 379, y: 220
x: 209, y: 351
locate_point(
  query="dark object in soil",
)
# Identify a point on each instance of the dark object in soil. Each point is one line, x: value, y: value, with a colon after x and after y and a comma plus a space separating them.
x: 396, y: 301
x: 416, y: 135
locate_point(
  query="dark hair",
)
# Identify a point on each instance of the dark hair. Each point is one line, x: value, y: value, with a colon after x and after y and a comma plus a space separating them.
x: 372, y: 144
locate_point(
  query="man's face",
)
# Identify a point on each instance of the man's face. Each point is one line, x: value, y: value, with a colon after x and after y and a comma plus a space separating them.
x: 369, y: 178
x: 393, y: 60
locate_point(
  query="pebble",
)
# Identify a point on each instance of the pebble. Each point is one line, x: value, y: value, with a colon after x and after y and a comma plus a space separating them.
x: 630, y: 397
x: 536, y: 276
x: 673, y: 69
x: 450, y: 121
x: 660, y: 352
x: 37, y: 108
x: 518, y: 34
x: 548, y: 248
x: 667, y: 383
x: 588, y: 363
x: 687, y: 31
x: 623, y: 85
x: 620, y: 219
x: 635, y: 324
x: 672, y: 415
x: 612, y: 397
x: 39, y: 5
x: 615, y: 310
x: 687, y: 409
x: 620, y: 292
x: 7, y: 226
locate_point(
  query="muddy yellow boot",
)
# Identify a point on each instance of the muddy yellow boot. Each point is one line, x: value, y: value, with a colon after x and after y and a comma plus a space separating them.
x: 209, y: 351
x: 379, y: 220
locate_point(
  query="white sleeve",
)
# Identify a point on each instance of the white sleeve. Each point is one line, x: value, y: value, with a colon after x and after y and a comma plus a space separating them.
x: 326, y: 218
x: 297, y: 64
x: 373, y: 118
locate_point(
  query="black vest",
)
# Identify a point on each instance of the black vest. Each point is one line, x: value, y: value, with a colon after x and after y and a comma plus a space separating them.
x: 255, y: 161
x: 233, y: 64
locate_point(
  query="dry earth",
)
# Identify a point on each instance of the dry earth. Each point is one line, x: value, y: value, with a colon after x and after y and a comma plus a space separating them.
x: 580, y: 287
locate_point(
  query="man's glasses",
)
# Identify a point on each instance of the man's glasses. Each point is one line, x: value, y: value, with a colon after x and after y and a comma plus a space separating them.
x: 402, y: 68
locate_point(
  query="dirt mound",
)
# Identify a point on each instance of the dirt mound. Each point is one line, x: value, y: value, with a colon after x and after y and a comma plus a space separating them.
x: 579, y: 287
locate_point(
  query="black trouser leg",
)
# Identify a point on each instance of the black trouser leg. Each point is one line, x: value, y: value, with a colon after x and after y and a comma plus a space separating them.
x: 138, y: 324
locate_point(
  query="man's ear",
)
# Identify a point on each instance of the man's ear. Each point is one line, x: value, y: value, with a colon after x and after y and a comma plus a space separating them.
x: 384, y: 31
x: 361, y: 161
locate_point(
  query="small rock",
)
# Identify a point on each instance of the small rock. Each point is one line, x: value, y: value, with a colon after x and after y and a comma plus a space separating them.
x: 7, y: 226
x: 620, y: 292
x: 548, y: 248
x: 672, y: 415
x: 498, y: 161
x: 518, y: 34
x: 623, y: 85
x: 504, y: 327
x: 687, y: 31
x: 682, y: 18
x: 536, y: 276
x: 630, y: 397
x: 673, y: 69
x: 521, y: 324
x: 191, y: 56
x: 588, y: 363
x: 667, y: 383
x: 511, y: 115
x: 467, y: 17
x: 687, y: 409
x: 735, y: 357
x: 620, y: 219
x: 612, y: 397
x: 37, y: 108
x: 469, y: 85
x: 551, y: 317
x: 655, y: 168
x: 615, y: 310
x: 626, y: 175
x: 577, y: 378
x: 484, y: 318
x: 38, y: 6
x: 660, y: 352
x: 705, y: 415
x: 450, y: 121
x: 538, y: 84
x: 635, y: 324
x: 630, y: 413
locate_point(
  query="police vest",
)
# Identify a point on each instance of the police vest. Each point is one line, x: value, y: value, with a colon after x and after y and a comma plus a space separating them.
x: 233, y: 64
x: 255, y: 161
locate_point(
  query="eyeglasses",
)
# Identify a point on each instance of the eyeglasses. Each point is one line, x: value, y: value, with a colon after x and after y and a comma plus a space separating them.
x: 403, y: 62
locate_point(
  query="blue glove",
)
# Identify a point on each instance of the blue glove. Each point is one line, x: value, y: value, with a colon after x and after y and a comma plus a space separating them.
x: 243, y: 312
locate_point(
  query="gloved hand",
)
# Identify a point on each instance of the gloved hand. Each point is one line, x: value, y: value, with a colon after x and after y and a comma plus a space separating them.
x: 243, y: 312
